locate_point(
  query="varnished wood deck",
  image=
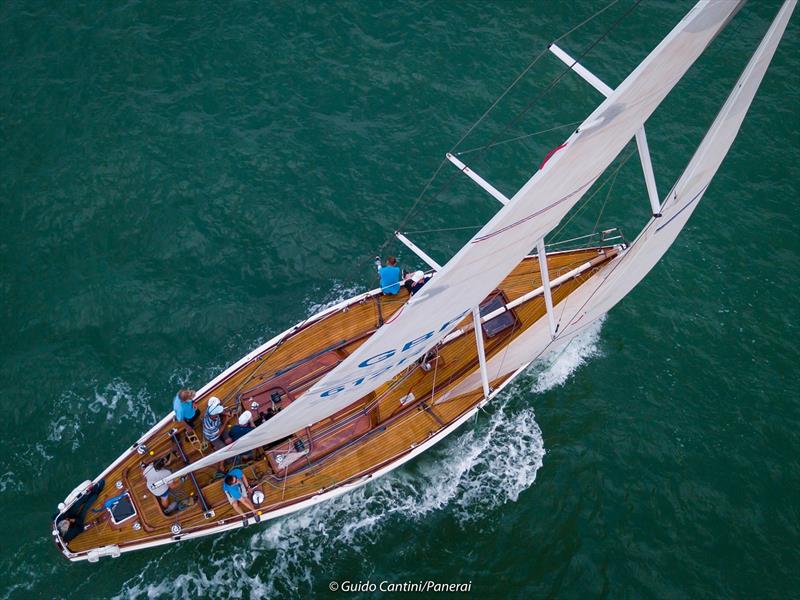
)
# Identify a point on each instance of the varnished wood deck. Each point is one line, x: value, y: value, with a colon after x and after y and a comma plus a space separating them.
x: 396, y: 428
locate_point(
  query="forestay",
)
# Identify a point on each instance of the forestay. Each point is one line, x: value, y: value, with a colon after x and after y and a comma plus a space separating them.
x: 499, y: 246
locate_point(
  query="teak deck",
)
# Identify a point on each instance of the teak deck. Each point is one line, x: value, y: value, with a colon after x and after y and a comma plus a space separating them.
x: 368, y: 435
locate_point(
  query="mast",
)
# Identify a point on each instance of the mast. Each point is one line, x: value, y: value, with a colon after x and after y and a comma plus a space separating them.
x: 476, y: 313
x: 540, y: 250
x: 478, y: 326
x: 548, y: 296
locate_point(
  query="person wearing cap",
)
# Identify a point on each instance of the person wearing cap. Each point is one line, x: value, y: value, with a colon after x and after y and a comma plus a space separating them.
x: 155, y: 473
x: 214, y: 423
x: 414, y: 282
x: 243, y: 427
x: 185, y: 406
x: 237, y: 488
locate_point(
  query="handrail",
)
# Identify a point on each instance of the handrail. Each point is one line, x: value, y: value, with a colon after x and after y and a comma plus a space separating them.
x: 602, y: 236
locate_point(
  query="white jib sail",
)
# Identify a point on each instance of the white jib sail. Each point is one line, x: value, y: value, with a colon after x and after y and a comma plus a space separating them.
x: 602, y: 291
x: 499, y: 246
x: 659, y: 234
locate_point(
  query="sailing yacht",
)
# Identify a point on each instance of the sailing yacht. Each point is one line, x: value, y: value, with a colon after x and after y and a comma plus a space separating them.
x: 362, y: 387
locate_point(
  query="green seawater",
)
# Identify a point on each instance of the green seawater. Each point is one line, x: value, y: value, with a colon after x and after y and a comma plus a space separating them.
x: 181, y: 181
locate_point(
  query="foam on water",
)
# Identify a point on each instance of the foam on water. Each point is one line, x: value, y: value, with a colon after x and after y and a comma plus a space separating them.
x: 184, y: 377
x: 114, y: 402
x: 116, y: 406
x: 485, y: 465
x: 16, y: 566
x: 338, y: 292
x: 28, y: 459
x: 9, y: 481
x: 555, y: 368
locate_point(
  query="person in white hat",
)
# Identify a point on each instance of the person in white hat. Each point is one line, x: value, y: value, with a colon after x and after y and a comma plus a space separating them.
x: 214, y: 422
x: 414, y: 282
x: 245, y: 426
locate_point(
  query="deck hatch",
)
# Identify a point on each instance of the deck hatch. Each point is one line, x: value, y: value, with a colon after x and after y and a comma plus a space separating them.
x: 122, y: 509
x: 499, y: 324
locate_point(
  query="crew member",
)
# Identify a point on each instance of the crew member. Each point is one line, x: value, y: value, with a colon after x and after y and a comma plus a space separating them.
x: 245, y: 426
x: 414, y: 282
x: 185, y: 407
x: 390, y: 275
x: 154, y: 473
x: 236, y: 490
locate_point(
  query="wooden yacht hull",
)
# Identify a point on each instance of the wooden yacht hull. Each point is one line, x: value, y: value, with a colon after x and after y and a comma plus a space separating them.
x: 399, y: 429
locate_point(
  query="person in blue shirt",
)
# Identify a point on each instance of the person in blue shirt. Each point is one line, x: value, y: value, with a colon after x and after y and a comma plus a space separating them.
x: 185, y: 407
x: 390, y: 275
x: 237, y: 490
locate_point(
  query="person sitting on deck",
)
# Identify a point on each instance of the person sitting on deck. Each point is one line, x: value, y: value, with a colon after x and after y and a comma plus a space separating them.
x: 237, y: 489
x: 414, y: 282
x: 390, y: 275
x: 245, y: 426
x: 154, y: 473
x: 185, y: 407
x: 214, y: 423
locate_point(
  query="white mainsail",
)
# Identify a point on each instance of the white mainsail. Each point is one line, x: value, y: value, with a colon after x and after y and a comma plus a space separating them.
x: 499, y: 246
x: 604, y: 290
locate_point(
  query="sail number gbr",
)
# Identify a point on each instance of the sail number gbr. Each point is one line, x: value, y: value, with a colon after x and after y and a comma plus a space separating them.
x: 388, y: 360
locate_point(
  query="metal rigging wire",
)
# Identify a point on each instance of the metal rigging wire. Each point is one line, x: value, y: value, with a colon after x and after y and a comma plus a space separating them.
x: 585, y: 203
x: 519, y: 137
x: 495, y: 140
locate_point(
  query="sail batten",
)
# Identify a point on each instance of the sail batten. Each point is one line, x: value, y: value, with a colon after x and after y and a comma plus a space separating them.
x: 499, y: 246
